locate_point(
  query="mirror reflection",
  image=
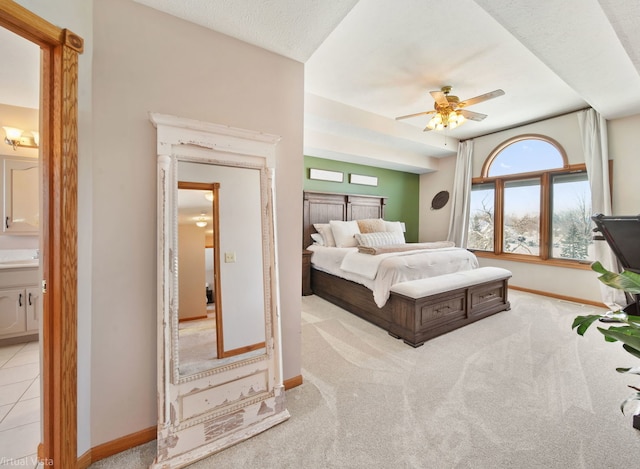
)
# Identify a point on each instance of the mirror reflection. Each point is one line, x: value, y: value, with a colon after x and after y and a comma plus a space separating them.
x: 220, y: 277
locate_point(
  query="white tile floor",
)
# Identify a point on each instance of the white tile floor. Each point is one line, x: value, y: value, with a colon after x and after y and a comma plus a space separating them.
x: 19, y: 405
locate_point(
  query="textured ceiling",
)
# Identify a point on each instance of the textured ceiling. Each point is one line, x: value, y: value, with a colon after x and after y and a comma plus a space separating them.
x: 293, y: 28
x: 369, y: 61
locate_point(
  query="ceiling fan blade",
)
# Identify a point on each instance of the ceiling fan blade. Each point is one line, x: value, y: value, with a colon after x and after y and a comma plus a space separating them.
x: 472, y: 116
x: 440, y: 98
x: 426, y: 129
x: 414, y: 115
x: 482, y: 97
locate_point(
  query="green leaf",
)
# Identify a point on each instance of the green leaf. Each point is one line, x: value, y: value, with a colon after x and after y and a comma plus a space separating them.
x: 632, y: 341
x: 627, y: 330
x: 582, y: 323
x: 633, y: 321
x: 598, y: 267
x: 632, y: 351
x: 627, y: 281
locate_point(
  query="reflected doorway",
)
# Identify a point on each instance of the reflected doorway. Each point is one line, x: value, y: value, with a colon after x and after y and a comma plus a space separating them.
x: 199, y: 293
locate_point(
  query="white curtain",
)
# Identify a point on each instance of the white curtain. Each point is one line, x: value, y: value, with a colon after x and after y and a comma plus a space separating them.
x: 593, y: 130
x: 460, y: 199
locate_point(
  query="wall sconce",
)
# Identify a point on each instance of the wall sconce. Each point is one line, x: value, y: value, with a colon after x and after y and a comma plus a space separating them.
x: 15, y: 138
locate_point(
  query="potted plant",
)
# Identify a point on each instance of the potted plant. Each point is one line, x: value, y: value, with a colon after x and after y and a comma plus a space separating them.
x: 624, y: 328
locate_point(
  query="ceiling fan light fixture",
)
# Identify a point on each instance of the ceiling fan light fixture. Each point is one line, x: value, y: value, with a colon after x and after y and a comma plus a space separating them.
x: 445, y: 112
x: 201, y: 221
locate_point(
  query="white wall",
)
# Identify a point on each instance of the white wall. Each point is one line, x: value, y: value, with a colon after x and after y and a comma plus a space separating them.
x: 624, y: 150
x: 624, y: 142
x: 434, y: 224
x: 145, y: 61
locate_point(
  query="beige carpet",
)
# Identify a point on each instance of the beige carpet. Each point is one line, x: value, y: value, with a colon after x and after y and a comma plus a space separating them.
x: 516, y: 390
x: 197, y: 344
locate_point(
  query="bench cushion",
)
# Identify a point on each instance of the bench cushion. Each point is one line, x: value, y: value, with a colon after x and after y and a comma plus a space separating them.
x: 443, y: 283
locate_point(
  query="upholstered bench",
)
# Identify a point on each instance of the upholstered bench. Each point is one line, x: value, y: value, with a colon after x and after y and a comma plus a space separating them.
x: 425, y: 308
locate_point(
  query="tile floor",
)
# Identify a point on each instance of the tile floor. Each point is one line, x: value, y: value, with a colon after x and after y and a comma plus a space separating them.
x: 19, y: 405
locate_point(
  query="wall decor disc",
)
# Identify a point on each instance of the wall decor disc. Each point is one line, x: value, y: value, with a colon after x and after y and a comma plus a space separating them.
x: 440, y: 200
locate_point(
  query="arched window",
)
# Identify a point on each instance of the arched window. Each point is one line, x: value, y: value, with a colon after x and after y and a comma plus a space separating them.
x: 530, y: 204
x: 525, y: 154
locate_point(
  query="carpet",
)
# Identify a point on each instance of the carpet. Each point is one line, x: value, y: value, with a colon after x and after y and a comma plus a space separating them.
x: 519, y: 389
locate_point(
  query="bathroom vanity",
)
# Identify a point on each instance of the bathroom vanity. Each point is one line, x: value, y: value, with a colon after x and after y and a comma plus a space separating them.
x: 20, y: 301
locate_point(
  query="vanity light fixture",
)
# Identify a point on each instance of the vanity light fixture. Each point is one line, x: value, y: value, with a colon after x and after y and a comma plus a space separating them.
x: 208, y: 195
x: 16, y: 138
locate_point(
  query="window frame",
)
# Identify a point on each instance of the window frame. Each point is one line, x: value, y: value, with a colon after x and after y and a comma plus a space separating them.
x: 545, y: 176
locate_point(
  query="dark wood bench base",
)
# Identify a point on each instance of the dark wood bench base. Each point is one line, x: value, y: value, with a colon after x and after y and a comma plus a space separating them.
x: 415, y: 320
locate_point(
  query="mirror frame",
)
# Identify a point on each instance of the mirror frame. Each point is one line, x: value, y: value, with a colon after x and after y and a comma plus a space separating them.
x: 205, y: 412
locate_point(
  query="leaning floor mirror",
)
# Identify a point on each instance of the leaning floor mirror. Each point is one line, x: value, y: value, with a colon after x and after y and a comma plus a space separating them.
x: 219, y: 352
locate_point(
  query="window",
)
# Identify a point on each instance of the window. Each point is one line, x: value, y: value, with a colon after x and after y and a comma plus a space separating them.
x: 521, y: 225
x: 481, y: 219
x: 530, y: 204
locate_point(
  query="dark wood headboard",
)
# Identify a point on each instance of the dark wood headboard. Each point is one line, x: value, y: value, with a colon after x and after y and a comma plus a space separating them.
x: 321, y: 207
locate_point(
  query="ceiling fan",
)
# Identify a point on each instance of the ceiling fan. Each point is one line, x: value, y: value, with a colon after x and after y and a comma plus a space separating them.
x: 449, y: 111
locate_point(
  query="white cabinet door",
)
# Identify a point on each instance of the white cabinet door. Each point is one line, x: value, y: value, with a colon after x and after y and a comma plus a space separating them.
x: 21, y: 197
x: 12, y: 308
x: 34, y: 308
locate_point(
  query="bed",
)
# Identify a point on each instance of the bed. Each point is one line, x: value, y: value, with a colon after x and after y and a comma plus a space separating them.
x: 372, y: 298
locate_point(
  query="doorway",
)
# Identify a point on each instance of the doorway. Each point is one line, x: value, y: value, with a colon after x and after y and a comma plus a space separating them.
x: 58, y: 145
x: 20, y: 276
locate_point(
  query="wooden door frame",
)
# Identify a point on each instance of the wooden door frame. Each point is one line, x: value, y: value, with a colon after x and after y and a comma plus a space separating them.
x: 59, y: 157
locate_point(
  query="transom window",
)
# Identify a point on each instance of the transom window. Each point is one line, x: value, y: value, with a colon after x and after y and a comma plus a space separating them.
x: 530, y: 204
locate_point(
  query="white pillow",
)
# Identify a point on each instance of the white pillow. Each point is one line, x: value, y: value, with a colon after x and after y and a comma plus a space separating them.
x: 327, y: 234
x: 383, y: 238
x: 317, y: 239
x: 393, y: 226
x: 344, y: 233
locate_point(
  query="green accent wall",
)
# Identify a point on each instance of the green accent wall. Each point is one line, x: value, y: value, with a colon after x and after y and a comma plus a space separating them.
x: 401, y: 189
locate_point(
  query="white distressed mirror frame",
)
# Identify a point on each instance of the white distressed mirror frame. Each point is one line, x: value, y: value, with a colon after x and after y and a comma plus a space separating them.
x: 203, y: 413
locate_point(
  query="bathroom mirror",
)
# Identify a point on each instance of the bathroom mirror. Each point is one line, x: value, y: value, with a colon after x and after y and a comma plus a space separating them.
x: 219, y: 355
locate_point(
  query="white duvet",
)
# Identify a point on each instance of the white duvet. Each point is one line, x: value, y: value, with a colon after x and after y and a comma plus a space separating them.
x: 379, y: 273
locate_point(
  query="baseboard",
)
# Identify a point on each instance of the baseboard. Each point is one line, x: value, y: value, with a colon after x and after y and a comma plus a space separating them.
x: 84, y: 461
x: 559, y: 297
x: 20, y: 339
x: 193, y: 318
x: 292, y: 382
x: 139, y: 438
x: 116, y: 446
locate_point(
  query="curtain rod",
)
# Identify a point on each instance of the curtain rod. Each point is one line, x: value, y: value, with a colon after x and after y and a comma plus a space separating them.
x: 527, y: 123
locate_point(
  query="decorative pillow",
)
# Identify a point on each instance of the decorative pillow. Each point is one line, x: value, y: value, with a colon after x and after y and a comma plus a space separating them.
x: 317, y: 239
x: 383, y: 238
x: 371, y: 225
x: 395, y: 226
x: 344, y: 233
x: 327, y: 234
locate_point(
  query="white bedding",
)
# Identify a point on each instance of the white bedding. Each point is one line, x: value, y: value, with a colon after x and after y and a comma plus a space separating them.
x: 379, y: 273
